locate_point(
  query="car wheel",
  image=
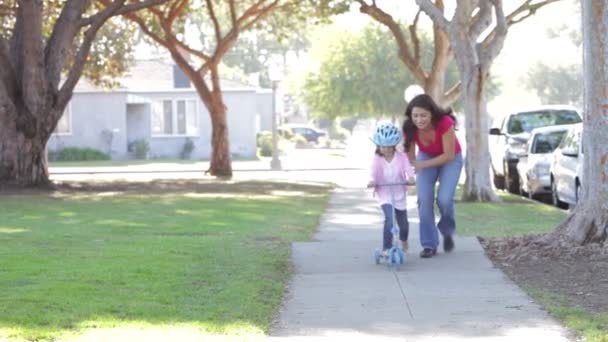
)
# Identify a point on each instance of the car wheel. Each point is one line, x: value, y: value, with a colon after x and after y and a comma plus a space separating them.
x: 555, y: 197
x: 499, y: 181
x: 511, y: 179
x: 522, y: 191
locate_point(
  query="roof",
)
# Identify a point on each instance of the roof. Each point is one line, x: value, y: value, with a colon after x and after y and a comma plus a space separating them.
x: 152, y: 76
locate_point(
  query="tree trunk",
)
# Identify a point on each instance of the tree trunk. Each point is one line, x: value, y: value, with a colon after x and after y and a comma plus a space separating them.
x: 220, y: 164
x: 23, y: 159
x: 478, y: 186
x: 589, y: 221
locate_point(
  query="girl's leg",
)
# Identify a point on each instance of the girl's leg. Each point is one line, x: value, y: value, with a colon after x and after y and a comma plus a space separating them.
x: 404, y: 227
x: 387, y: 236
x: 425, y: 189
x: 448, y: 180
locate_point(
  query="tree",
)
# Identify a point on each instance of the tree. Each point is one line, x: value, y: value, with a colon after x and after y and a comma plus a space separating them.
x: 355, y: 72
x: 476, y: 34
x: 589, y: 220
x: 554, y: 84
x: 37, y: 45
x: 220, y: 24
x: 558, y: 83
x: 431, y: 77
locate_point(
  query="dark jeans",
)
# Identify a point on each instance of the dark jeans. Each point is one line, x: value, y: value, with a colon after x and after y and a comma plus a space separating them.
x: 404, y: 228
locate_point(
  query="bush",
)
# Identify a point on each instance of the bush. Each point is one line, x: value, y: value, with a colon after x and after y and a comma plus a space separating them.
x: 141, y: 148
x: 78, y: 154
x: 300, y: 141
x: 264, y: 140
x: 187, y: 149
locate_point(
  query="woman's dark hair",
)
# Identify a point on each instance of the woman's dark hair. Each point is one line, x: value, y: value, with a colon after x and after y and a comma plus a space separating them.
x: 426, y: 102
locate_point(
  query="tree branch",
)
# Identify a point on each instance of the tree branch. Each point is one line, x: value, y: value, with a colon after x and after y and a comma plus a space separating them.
x: 125, y: 9
x: 60, y: 42
x: 413, y: 28
x: 404, y: 50
x: 482, y: 20
x: 216, y: 24
x: 489, y: 50
x: 434, y: 13
x: 525, y: 6
x: 65, y: 93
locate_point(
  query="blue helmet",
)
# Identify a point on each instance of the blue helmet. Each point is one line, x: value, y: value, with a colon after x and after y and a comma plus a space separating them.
x: 387, y: 134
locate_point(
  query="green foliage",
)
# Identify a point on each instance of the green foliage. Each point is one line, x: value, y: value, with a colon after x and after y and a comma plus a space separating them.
x: 360, y: 72
x: 140, y: 148
x: 264, y: 141
x: 111, y: 53
x: 77, y: 154
x: 556, y: 84
x: 187, y: 149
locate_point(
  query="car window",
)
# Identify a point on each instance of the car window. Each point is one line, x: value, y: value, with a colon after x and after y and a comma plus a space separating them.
x: 569, y: 145
x: 546, y: 143
x: 526, y: 122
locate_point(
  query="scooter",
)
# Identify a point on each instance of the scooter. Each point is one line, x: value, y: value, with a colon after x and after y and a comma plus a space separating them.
x: 395, y: 256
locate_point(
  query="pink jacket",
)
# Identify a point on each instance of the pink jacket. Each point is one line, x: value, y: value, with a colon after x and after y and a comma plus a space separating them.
x: 405, y: 168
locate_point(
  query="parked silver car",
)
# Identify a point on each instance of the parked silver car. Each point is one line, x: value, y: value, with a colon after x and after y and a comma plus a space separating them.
x: 533, y: 166
x: 507, y: 142
x: 567, y: 169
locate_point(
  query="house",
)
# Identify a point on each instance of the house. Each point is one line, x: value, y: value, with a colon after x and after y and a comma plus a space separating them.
x: 157, y: 104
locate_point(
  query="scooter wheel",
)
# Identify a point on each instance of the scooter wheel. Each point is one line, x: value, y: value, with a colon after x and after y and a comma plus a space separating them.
x: 377, y: 256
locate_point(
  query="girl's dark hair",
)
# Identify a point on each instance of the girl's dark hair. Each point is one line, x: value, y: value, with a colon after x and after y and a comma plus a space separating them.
x: 378, y: 152
x: 426, y: 102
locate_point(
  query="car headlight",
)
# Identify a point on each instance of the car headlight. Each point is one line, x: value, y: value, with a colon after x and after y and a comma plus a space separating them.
x: 516, y: 148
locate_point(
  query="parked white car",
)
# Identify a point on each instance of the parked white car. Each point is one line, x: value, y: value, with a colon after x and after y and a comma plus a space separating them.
x: 534, y: 165
x: 507, y: 141
x: 567, y: 169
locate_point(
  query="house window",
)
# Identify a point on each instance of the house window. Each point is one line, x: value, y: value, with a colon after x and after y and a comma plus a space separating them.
x: 174, y: 117
x: 64, y: 126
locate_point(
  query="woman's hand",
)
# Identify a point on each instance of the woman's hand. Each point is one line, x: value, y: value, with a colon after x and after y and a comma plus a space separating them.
x: 371, y: 185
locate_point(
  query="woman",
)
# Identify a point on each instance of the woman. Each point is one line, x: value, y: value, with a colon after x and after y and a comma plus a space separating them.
x: 439, y: 159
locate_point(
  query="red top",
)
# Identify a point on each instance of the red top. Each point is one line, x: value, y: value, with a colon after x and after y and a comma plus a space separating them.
x: 436, y: 148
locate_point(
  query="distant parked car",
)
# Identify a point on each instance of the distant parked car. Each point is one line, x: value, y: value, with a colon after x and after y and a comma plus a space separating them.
x: 567, y: 169
x: 508, y: 142
x: 311, y: 134
x: 533, y: 166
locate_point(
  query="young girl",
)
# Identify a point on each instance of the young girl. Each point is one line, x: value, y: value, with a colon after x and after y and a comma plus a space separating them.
x: 390, y: 166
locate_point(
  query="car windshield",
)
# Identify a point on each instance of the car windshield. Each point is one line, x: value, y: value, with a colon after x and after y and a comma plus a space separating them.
x: 526, y: 122
x: 546, y: 143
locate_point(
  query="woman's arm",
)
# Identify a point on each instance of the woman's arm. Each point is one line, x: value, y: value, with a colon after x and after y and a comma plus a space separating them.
x: 411, y: 153
x: 447, y: 140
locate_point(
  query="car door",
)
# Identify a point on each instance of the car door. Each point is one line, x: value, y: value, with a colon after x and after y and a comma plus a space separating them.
x: 566, y: 167
x: 498, y: 144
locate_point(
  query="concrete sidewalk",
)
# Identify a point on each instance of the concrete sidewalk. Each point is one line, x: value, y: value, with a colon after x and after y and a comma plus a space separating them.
x: 338, y: 292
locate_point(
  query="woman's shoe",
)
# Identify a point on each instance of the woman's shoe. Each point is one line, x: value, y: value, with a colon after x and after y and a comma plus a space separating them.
x: 405, y: 246
x: 448, y: 243
x: 427, y: 253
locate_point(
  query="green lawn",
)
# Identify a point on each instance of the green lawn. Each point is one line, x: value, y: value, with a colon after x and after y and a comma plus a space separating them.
x: 513, y: 217
x: 217, y: 263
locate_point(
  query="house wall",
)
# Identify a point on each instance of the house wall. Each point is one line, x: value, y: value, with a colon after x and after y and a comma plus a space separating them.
x: 241, y: 117
x: 97, y: 121
x: 92, y: 114
x: 264, y: 109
